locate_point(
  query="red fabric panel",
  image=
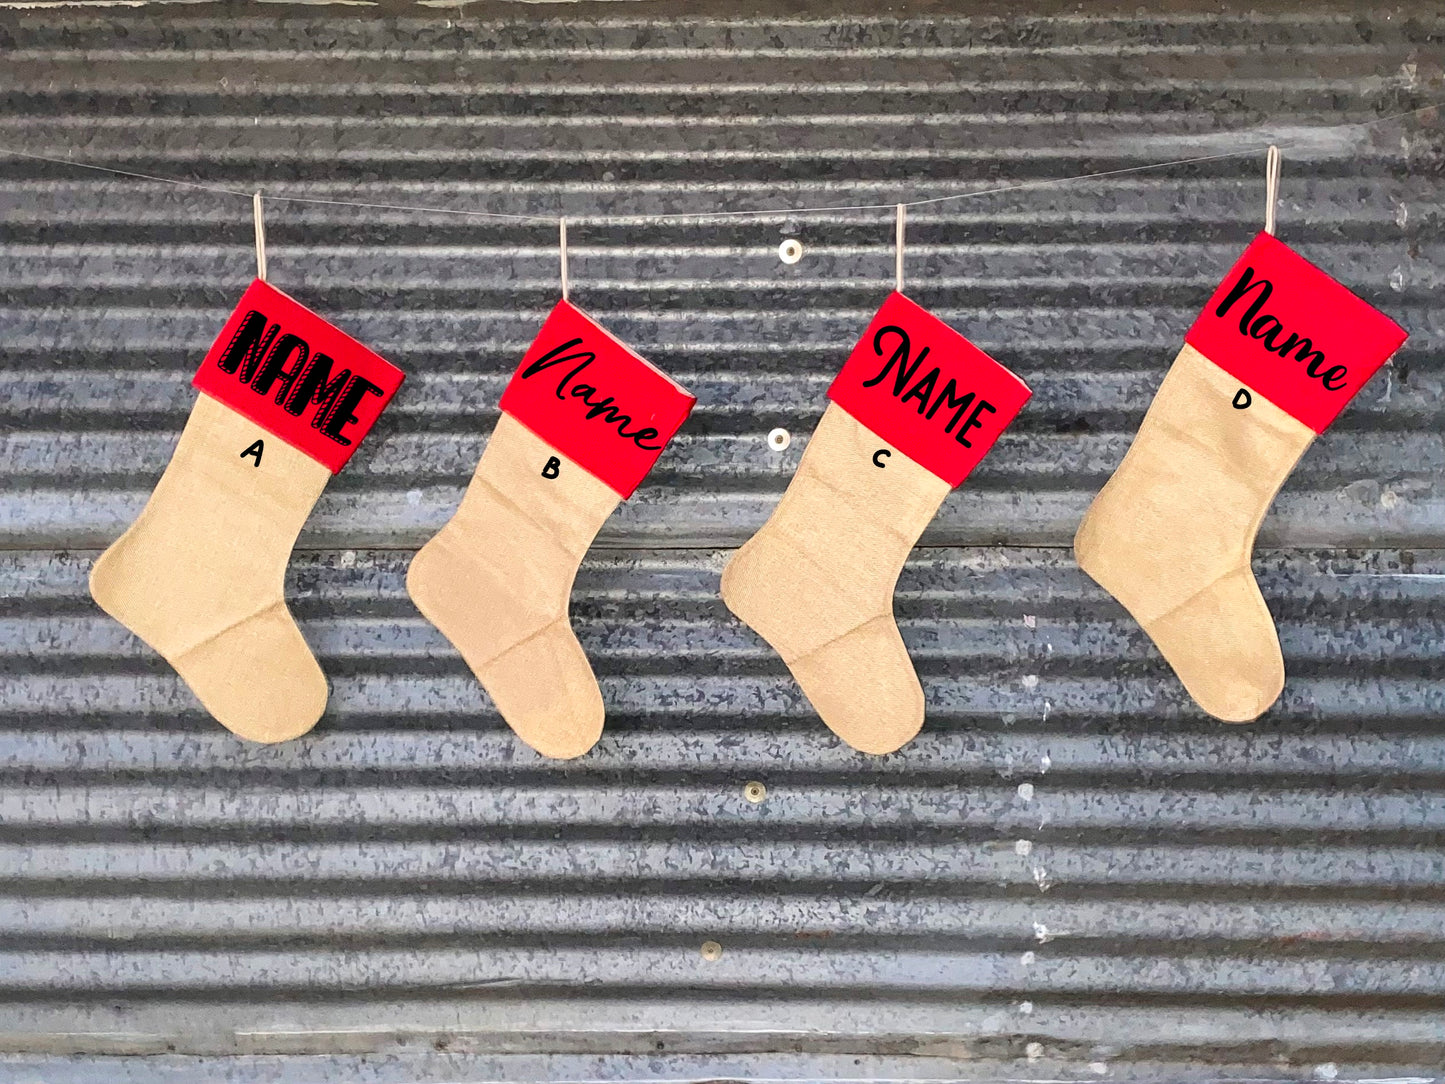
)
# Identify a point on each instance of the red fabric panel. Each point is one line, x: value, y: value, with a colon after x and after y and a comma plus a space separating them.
x: 927, y: 390
x: 1285, y: 329
x: 594, y: 400
x: 293, y: 374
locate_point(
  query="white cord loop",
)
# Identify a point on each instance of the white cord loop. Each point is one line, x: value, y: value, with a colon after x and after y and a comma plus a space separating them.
x: 898, y: 247
x: 562, y: 253
x: 1271, y: 187
x: 260, y: 235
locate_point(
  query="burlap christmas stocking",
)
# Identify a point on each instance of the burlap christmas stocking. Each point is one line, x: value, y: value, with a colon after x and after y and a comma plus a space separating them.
x: 1275, y: 356
x: 583, y: 420
x: 285, y: 399
x: 914, y: 409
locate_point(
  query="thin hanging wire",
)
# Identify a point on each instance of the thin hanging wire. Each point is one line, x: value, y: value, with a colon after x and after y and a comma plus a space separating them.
x: 259, y: 219
x: 898, y: 248
x: 721, y: 212
x: 1271, y: 187
x: 562, y: 253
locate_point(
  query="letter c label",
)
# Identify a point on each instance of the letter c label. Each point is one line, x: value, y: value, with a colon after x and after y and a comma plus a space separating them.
x: 880, y: 455
x: 1242, y: 399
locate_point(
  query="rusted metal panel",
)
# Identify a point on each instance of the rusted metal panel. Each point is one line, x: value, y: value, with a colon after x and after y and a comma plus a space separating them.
x: 1071, y: 869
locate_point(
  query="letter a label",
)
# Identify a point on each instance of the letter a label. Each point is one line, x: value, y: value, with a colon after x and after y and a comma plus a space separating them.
x: 255, y: 451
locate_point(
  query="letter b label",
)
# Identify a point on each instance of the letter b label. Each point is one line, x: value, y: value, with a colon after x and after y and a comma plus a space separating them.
x: 553, y: 467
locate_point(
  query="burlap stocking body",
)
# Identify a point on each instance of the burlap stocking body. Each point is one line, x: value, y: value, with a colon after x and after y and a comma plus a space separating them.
x: 285, y: 399
x: 1276, y: 354
x: 914, y: 409
x: 583, y: 420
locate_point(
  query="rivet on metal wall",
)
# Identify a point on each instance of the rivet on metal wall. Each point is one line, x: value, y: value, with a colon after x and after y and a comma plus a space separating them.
x: 791, y: 250
x: 711, y: 950
x: 779, y: 439
x: 755, y: 792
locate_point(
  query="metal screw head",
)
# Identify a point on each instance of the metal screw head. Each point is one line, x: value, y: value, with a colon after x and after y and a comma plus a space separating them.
x: 791, y: 250
x: 755, y: 792
x: 779, y: 439
x: 711, y: 950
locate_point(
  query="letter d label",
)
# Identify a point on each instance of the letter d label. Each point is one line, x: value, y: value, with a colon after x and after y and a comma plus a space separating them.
x: 1242, y: 399
x: 255, y: 451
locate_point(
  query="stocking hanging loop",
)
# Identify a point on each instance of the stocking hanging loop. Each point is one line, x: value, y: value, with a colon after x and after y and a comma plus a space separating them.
x: 258, y: 218
x: 898, y: 248
x: 1271, y: 187
x: 562, y: 253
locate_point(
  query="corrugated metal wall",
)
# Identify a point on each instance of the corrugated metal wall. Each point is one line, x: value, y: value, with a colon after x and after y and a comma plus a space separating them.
x: 1070, y: 868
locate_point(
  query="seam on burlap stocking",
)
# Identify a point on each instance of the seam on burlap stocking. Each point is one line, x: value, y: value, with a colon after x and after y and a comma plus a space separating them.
x: 1171, y: 534
x: 496, y: 580
x: 816, y: 617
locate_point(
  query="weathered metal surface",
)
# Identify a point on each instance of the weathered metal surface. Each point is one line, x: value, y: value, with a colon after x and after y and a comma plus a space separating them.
x: 1071, y: 867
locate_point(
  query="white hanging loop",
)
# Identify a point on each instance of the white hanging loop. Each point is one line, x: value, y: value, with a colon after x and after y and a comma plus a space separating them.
x: 898, y: 247
x: 260, y: 236
x: 1271, y: 187
x: 562, y: 252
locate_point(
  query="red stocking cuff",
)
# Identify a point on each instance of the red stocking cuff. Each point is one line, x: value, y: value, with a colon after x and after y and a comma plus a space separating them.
x: 927, y: 390
x: 594, y: 400
x: 279, y: 364
x: 1280, y: 325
